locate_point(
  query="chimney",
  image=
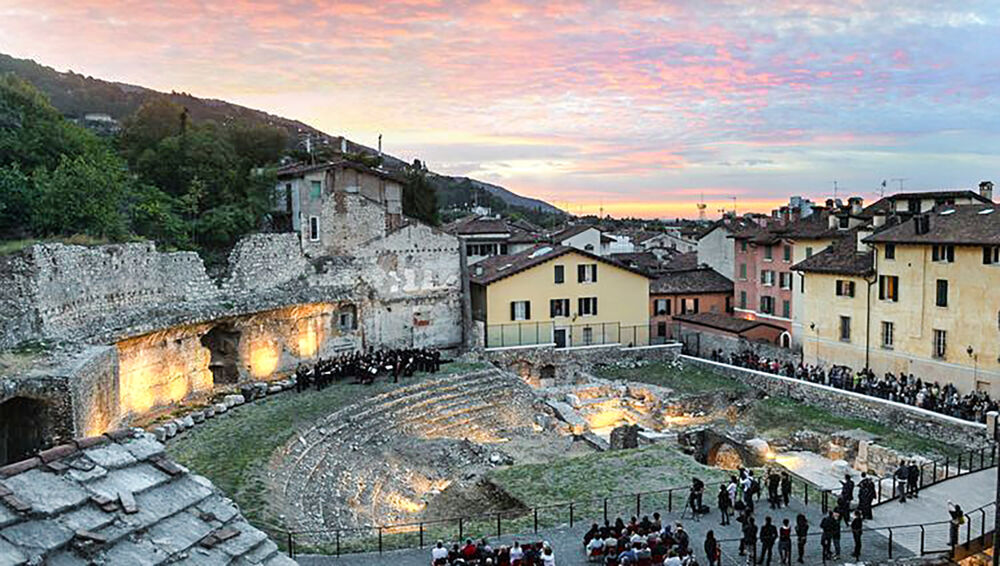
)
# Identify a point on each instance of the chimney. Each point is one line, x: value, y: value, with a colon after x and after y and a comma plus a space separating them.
x: 855, y: 203
x: 878, y: 219
x: 479, y: 270
x: 861, y: 235
x: 831, y: 221
x: 343, y: 144
x: 986, y: 190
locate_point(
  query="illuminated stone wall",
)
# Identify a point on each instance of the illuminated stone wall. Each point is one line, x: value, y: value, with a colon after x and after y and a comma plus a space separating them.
x: 169, y: 366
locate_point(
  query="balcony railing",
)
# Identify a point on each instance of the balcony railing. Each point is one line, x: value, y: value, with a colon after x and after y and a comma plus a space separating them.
x: 549, y: 333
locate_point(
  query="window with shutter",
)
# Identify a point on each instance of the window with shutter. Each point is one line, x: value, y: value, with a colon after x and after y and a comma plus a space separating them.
x: 560, y: 273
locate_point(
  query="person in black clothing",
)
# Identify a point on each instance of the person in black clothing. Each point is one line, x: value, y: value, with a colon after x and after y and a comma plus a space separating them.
x: 866, y: 494
x: 902, y: 479
x: 695, y: 499
x: 847, y: 488
x: 725, y: 504
x: 712, y: 550
x: 768, y: 535
x: 801, y: 533
x: 828, y: 526
x: 786, y: 488
x: 749, y: 540
x: 857, y: 525
x: 785, y: 544
x: 913, y: 478
x: 773, y: 489
x: 843, y: 510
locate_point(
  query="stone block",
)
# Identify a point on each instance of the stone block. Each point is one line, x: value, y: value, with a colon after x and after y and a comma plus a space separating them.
x: 144, y: 447
x: 10, y: 554
x: 188, y: 421
x: 110, y: 456
x: 234, y: 400
x: 274, y: 389
x: 220, y: 408
x: 170, y: 429
x: 87, y: 518
x: 46, y: 492
x: 138, y: 553
x: 160, y: 433
x: 44, y: 535
x: 222, y: 508
x: 209, y: 411
x: 197, y: 417
x: 136, y: 479
x: 179, y: 532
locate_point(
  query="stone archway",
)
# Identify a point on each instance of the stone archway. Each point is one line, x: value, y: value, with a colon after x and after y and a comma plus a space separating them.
x: 23, y: 427
x: 785, y: 340
x: 223, y: 342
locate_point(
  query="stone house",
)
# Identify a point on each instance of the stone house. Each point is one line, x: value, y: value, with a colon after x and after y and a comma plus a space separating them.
x: 687, y: 291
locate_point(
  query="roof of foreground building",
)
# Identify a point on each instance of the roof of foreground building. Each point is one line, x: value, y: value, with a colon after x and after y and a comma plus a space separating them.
x: 117, y: 499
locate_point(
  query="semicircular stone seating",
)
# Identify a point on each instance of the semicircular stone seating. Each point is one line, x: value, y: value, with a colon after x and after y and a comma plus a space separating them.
x: 373, y: 462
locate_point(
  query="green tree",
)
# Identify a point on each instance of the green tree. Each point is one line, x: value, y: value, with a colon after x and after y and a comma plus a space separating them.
x: 419, y: 197
x: 153, y: 122
x: 83, y: 195
x: 15, y: 191
x: 32, y: 133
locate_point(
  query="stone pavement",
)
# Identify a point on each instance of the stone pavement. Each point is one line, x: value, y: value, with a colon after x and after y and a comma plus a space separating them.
x: 567, y: 542
x: 970, y: 491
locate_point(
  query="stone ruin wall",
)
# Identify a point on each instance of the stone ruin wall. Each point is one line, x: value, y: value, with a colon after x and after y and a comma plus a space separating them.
x: 549, y: 366
x: 152, y: 307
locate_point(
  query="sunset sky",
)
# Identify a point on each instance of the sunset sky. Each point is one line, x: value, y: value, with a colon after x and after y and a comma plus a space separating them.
x: 639, y: 106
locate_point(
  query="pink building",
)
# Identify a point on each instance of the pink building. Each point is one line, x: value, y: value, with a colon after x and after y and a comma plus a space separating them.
x: 762, y: 278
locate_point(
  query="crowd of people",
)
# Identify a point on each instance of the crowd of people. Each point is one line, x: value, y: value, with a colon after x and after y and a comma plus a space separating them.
x: 902, y: 388
x: 483, y: 554
x: 365, y: 367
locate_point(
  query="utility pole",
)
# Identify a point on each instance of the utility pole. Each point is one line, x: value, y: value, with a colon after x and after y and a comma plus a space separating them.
x: 900, y: 181
x: 835, y: 190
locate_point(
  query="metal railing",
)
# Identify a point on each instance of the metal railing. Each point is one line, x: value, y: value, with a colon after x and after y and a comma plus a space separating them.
x: 931, y: 473
x: 521, y: 522
x: 944, y: 537
x: 549, y: 333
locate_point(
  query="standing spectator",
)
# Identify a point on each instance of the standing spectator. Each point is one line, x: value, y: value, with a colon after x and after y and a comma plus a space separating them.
x: 749, y: 539
x: 773, y: 489
x: 786, y: 488
x: 913, y: 478
x: 866, y: 494
x: 801, y: 533
x: 725, y: 504
x: 847, y: 488
x: 785, y: 544
x: 857, y: 525
x: 548, y: 557
x: 827, y: 526
x: 902, y: 479
x: 712, y: 552
x: 516, y: 552
x: 681, y: 539
x: 957, y: 520
x: 768, y: 535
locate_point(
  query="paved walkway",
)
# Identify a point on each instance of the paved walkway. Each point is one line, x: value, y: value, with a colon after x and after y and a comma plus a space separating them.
x: 568, y: 547
x: 970, y: 491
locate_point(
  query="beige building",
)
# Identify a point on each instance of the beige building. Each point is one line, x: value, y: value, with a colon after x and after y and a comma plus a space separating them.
x: 922, y: 297
x: 559, y: 295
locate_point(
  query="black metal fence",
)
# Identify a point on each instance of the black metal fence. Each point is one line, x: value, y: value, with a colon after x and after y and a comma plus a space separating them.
x: 526, y: 334
x: 931, y: 473
x: 420, y: 534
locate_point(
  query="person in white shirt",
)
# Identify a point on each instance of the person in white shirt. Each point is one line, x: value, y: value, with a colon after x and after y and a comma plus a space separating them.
x: 515, y: 552
x: 594, y: 545
x: 439, y: 552
x: 548, y: 557
x: 672, y: 560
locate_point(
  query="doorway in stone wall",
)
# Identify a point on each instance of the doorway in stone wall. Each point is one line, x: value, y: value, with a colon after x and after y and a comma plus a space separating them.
x: 23, y: 426
x: 223, y: 342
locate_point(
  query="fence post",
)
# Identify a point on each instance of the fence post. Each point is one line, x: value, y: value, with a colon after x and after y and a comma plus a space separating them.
x: 291, y: 546
x: 605, y: 508
x: 536, y: 519
x: 968, y: 531
x: 922, y: 533
x: 947, y: 467
x: 894, y: 487
x: 982, y: 459
x: 380, y: 540
x: 890, y: 543
x: 421, y: 535
x: 638, y: 504
x: 880, y: 490
x: 461, y: 529
x: 934, y: 476
x: 570, y: 516
x: 338, y: 542
x: 807, y: 495
x: 982, y: 525
x: 498, y: 525
x: 959, y: 471
x: 670, y: 501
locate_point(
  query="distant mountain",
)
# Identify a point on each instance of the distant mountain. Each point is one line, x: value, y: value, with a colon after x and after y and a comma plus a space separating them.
x: 77, y: 95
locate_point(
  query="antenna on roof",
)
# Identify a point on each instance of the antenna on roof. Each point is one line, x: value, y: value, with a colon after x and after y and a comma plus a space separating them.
x: 900, y: 181
x: 701, y: 207
x: 835, y: 190
x: 734, y: 204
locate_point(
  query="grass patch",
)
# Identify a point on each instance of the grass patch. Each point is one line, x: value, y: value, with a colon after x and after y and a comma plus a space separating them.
x: 233, y: 450
x: 683, y: 379
x: 779, y: 416
x: 596, y: 475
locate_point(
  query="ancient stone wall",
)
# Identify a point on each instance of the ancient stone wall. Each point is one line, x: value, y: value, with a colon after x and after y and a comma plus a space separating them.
x: 847, y: 403
x: 703, y: 342
x: 93, y: 380
x: 549, y: 366
x: 265, y: 261
x: 19, y: 320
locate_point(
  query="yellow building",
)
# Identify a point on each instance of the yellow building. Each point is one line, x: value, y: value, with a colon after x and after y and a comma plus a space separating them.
x: 561, y: 296
x: 926, y: 299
